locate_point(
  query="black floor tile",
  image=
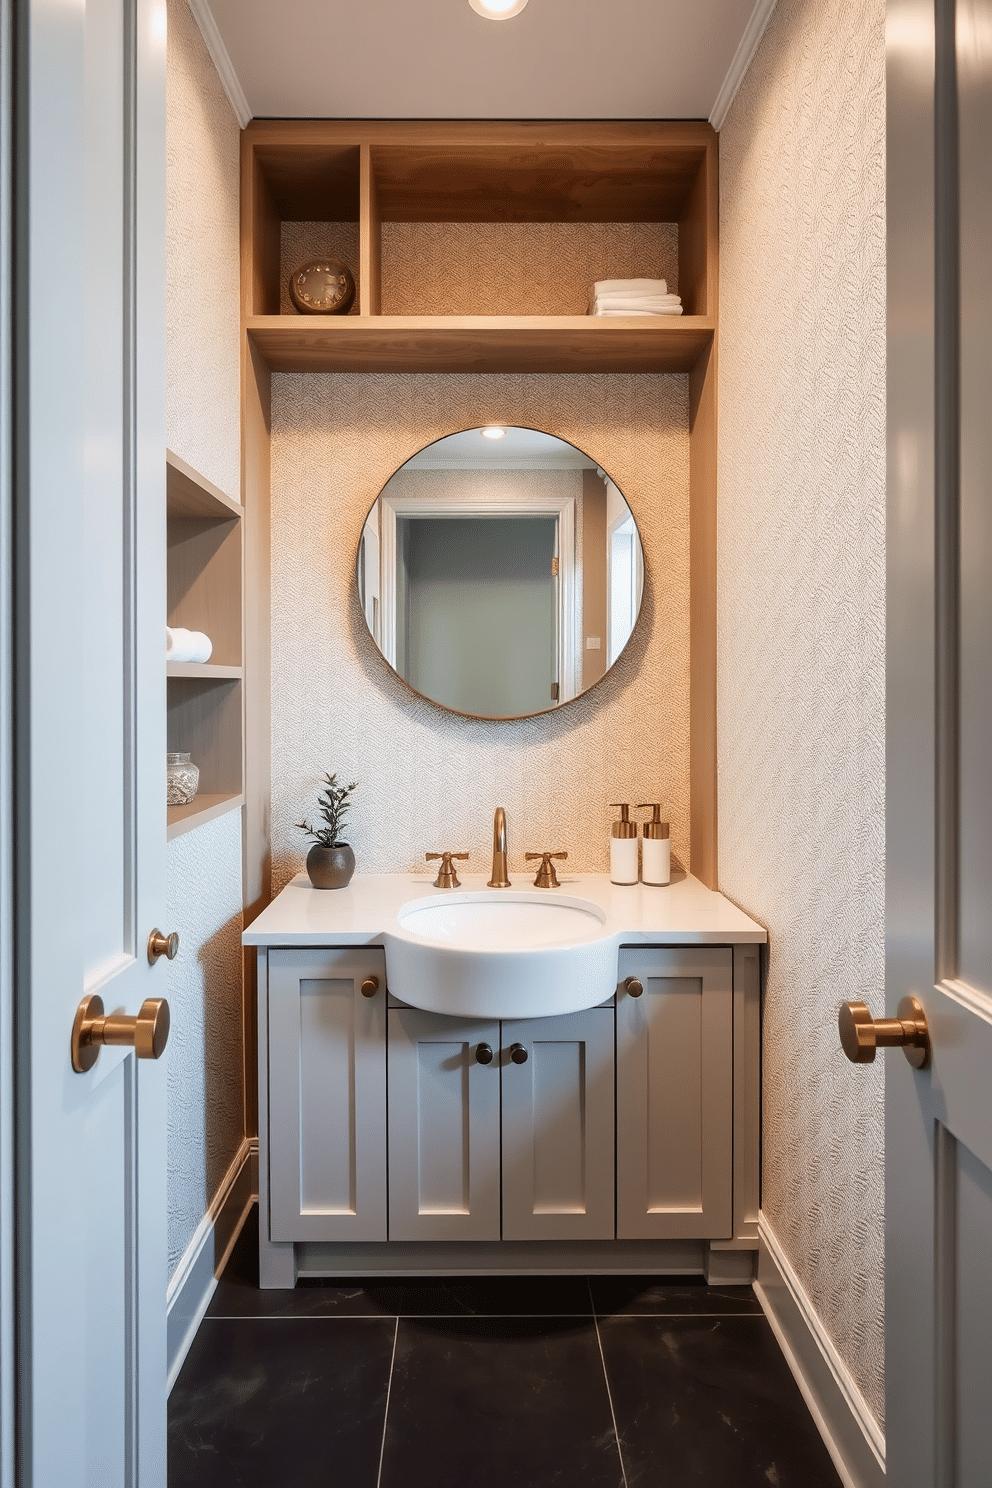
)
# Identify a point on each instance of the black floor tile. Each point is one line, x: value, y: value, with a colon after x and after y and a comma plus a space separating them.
x: 709, y: 1401
x: 669, y: 1295
x: 293, y: 1402
x: 238, y: 1294
x: 499, y: 1403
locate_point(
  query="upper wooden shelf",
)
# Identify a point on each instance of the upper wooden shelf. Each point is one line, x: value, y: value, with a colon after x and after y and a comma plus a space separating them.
x: 190, y: 494
x: 564, y: 343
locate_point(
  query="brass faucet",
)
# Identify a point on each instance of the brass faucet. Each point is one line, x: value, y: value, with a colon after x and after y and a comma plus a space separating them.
x: 499, y: 879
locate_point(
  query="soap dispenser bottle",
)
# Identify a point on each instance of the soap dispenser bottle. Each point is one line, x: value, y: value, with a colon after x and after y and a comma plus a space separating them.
x: 623, y: 847
x: 656, y: 863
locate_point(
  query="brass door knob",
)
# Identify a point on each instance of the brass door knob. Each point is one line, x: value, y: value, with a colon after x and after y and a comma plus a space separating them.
x: 370, y: 986
x: 147, y: 1033
x: 162, y: 945
x: 633, y: 987
x: 518, y: 1053
x: 861, y: 1034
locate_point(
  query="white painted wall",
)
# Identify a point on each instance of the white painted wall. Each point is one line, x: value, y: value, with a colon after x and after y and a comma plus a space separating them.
x: 801, y: 624
x: 206, y: 1062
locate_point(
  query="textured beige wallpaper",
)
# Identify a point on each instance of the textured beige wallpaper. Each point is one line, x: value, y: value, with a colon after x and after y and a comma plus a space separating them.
x: 517, y: 268
x: 206, y: 1062
x: 801, y: 624
x: 430, y: 779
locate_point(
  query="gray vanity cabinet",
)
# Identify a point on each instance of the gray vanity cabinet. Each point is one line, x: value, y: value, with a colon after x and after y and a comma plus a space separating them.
x: 558, y: 1128
x: 443, y: 1127
x: 675, y: 1086
x: 327, y: 1076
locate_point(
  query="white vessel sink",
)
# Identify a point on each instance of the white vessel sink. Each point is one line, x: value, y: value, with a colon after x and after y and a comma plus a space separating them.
x: 501, y: 954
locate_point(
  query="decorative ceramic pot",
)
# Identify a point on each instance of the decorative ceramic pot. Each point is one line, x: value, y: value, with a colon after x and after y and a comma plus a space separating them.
x: 182, y: 778
x: 330, y: 867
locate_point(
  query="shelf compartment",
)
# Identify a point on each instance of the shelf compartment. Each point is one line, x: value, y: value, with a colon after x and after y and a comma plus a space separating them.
x: 204, y: 718
x: 204, y: 561
x: 202, y: 808
x: 559, y: 343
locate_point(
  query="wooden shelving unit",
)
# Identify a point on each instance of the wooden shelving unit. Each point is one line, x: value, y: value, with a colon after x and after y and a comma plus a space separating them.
x: 371, y: 174
x: 206, y: 702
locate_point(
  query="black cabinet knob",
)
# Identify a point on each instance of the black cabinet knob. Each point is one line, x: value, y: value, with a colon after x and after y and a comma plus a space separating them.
x: 484, y: 1054
x: 518, y: 1053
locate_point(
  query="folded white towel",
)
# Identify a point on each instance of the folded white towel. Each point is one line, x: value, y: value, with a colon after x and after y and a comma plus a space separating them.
x: 673, y: 310
x: 634, y: 302
x: 187, y: 645
x: 629, y: 286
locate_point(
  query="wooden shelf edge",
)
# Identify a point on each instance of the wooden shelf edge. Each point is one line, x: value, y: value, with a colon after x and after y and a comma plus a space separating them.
x: 198, y: 812
x: 387, y: 343
x: 206, y: 671
x: 188, y: 493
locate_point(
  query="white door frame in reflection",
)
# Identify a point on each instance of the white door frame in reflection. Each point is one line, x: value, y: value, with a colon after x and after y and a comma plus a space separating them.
x: 471, y: 504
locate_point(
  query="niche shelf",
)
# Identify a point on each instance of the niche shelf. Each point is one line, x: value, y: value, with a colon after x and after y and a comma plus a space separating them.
x: 379, y: 173
x: 205, y: 702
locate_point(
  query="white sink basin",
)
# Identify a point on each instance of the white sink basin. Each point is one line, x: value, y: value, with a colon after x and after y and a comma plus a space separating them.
x: 501, y: 954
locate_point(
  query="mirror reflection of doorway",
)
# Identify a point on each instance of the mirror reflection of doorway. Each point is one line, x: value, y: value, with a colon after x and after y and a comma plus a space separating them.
x: 476, y: 611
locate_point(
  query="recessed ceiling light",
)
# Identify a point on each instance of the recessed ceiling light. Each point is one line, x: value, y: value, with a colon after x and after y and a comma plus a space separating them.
x: 497, y: 10
x: 493, y: 431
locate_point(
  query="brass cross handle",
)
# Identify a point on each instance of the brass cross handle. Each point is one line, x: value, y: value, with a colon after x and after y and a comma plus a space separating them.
x: 861, y: 1034
x: 447, y: 878
x: 546, y: 878
x: 147, y: 1033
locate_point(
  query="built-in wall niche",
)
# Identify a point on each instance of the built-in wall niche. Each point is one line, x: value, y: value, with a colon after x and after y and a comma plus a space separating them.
x: 204, y: 587
x: 476, y: 242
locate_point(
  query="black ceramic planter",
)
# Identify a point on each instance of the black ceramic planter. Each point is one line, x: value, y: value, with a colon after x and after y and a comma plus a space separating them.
x: 330, y: 867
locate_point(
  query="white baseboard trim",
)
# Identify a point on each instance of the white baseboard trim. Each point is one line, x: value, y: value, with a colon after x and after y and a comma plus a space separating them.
x: 195, y: 1279
x: 743, y: 57
x: 852, y: 1436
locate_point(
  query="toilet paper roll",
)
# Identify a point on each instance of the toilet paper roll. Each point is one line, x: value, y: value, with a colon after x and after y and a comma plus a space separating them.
x: 187, y: 645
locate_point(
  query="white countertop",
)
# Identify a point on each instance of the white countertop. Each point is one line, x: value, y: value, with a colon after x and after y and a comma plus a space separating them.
x: 682, y: 913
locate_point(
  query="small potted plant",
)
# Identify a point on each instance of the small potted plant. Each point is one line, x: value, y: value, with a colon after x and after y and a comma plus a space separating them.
x: 330, y: 862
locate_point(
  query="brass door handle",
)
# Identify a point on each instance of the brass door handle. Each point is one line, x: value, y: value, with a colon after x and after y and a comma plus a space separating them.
x: 861, y: 1034
x: 162, y: 945
x: 147, y: 1033
x: 370, y: 986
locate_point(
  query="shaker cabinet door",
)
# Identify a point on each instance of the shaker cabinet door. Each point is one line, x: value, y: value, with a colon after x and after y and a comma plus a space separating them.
x: 443, y: 1127
x: 558, y: 1127
x: 327, y: 1095
x: 675, y: 1094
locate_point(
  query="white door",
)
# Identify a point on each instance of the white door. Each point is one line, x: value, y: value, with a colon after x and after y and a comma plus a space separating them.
x: 938, y: 1303
x: 90, y: 737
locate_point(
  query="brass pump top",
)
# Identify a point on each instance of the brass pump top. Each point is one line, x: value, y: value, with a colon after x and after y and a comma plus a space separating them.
x: 624, y: 827
x: 655, y: 828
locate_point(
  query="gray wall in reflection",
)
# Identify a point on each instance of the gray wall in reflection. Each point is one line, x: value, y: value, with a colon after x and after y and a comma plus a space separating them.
x: 477, y: 630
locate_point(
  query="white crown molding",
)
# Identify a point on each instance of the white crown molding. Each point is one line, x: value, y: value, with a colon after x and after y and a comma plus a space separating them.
x: 204, y: 18
x: 743, y: 57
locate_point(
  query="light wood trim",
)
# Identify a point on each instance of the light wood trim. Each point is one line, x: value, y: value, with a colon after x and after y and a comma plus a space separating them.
x: 261, y: 238
x: 202, y: 808
x: 699, y: 239
x: 205, y: 669
x: 370, y: 238
x: 498, y: 343
x: 190, y: 494
x: 702, y: 619
x: 256, y: 835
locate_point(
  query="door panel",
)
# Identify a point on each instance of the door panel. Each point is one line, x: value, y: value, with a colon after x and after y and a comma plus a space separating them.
x: 327, y: 1101
x: 444, y: 1143
x: 558, y: 1128
x: 675, y: 1095
x: 91, y: 452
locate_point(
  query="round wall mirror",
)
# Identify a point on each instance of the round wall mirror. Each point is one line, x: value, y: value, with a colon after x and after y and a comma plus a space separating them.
x: 500, y: 572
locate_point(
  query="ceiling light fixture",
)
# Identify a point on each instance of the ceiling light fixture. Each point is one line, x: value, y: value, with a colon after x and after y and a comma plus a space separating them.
x: 493, y: 431
x: 497, y: 10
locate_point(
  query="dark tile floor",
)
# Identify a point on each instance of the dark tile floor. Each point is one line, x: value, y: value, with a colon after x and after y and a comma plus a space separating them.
x: 532, y: 1382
